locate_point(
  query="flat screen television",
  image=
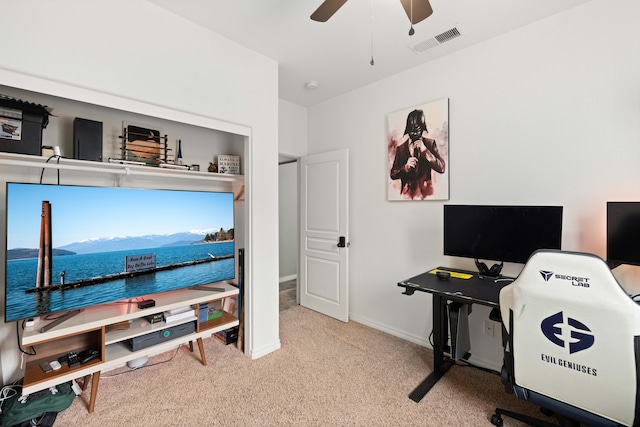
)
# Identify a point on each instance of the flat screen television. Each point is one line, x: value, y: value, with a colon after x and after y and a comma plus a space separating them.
x: 501, y: 233
x: 623, y: 233
x: 69, y: 247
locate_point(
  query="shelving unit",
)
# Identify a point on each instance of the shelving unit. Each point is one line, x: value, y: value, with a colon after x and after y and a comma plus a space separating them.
x: 89, y: 329
x: 92, y: 327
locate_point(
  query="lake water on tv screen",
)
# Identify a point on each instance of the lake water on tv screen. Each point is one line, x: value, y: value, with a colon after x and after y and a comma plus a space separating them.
x: 21, y: 275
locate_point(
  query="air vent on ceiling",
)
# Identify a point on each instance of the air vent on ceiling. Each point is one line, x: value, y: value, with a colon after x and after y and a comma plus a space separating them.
x: 435, y: 41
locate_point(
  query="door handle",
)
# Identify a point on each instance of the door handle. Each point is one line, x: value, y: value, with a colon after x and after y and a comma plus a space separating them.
x: 342, y: 243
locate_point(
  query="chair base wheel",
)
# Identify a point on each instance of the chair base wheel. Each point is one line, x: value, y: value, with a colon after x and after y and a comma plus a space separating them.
x: 496, y: 420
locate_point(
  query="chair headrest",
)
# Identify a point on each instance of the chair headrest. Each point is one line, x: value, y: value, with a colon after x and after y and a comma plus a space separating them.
x: 568, y: 272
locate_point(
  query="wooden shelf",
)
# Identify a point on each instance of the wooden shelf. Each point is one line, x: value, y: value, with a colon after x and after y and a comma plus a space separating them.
x: 35, y: 375
x: 111, y: 313
x: 224, y: 320
x: 87, y: 329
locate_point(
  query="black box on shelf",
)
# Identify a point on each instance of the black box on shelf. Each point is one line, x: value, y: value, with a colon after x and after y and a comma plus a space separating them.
x: 21, y: 125
x: 155, y: 318
x: 162, y: 335
x: 87, y: 139
x: 227, y: 336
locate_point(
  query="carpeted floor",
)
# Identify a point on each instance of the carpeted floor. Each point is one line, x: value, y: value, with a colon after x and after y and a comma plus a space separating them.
x: 327, y: 373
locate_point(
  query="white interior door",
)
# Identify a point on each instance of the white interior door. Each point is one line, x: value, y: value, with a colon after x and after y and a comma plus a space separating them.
x: 324, y: 233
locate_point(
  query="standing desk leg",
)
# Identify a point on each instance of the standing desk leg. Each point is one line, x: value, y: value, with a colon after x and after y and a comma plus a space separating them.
x: 441, y: 364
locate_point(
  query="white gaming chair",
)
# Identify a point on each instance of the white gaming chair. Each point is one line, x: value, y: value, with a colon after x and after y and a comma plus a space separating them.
x: 571, y: 338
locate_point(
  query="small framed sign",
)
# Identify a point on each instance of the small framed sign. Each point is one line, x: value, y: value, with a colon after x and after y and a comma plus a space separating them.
x: 10, y: 129
x: 228, y: 164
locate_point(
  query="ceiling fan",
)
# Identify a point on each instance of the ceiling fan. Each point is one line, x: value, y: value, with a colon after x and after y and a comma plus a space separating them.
x: 416, y: 10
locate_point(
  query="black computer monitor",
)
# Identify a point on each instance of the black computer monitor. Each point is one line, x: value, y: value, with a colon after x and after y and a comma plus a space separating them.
x: 501, y: 233
x: 623, y: 233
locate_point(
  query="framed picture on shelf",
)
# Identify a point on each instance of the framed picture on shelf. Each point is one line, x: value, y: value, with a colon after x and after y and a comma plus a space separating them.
x: 10, y: 129
x: 144, y: 145
x: 228, y: 164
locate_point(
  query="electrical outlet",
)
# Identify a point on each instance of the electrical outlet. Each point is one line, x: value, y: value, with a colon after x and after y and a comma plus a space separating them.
x: 489, y: 328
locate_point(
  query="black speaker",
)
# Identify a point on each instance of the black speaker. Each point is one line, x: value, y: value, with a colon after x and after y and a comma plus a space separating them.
x: 87, y: 139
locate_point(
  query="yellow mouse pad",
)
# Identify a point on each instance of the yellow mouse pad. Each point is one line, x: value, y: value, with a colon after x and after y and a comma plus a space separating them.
x: 453, y: 273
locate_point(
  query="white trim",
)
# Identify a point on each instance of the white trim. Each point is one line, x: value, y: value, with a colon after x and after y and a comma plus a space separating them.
x: 476, y: 361
x: 60, y: 89
x: 248, y: 290
x: 258, y: 353
x: 77, y: 93
x: 287, y: 278
x: 391, y: 331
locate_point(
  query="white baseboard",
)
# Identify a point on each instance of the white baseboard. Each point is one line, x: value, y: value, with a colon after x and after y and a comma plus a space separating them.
x: 391, y: 331
x: 476, y: 361
x: 484, y: 363
x: 257, y: 353
x: 287, y: 278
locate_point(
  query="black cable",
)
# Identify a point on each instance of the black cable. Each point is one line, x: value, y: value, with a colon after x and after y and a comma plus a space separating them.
x: 144, y: 366
x: 19, y: 344
x: 467, y: 364
x: 57, y: 161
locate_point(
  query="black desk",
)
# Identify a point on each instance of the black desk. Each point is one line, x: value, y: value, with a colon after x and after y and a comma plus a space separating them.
x: 476, y: 290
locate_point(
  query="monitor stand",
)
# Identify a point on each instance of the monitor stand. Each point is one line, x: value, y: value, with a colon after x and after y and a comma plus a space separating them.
x: 60, y: 319
x: 206, y: 288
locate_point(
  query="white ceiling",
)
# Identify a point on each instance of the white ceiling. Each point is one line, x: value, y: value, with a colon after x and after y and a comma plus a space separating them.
x: 337, y: 53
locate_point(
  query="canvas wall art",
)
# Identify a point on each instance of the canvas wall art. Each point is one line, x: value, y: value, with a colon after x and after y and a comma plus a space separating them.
x: 418, y: 152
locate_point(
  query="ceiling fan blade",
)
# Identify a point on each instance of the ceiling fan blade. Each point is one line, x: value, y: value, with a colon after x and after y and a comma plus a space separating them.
x: 327, y: 9
x: 421, y: 10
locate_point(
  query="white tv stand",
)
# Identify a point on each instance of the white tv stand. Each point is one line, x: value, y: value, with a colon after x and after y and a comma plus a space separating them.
x: 102, y: 326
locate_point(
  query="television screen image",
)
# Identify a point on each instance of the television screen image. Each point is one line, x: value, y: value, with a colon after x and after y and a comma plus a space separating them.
x: 71, y: 247
x: 623, y: 233
x: 501, y: 233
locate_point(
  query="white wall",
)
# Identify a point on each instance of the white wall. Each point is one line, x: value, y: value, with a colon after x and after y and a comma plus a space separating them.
x: 292, y: 127
x: 547, y: 114
x: 134, y: 56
